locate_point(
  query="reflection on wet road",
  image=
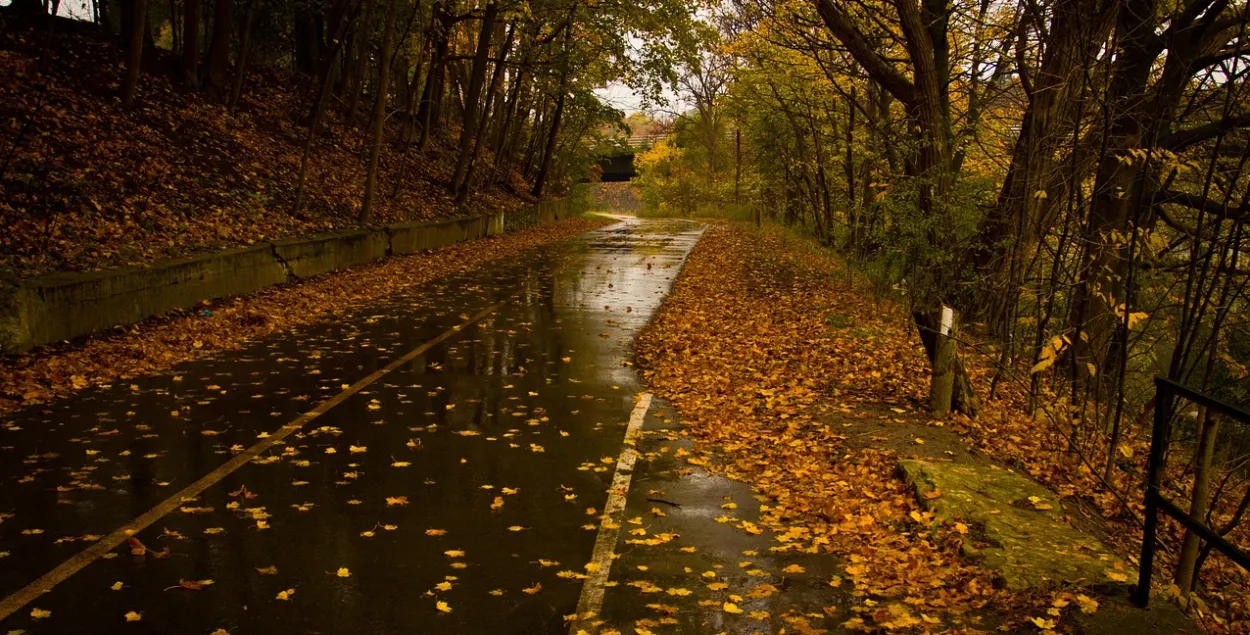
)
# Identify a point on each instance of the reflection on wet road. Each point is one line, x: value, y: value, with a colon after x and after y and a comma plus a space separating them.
x: 458, y: 493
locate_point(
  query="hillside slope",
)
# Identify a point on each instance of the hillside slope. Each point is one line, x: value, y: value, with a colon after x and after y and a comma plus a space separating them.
x: 88, y: 184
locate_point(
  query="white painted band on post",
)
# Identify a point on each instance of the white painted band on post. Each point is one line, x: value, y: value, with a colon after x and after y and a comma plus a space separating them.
x: 948, y: 320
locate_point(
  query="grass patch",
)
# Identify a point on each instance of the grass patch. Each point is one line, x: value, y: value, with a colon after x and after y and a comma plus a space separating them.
x: 839, y: 321
x: 727, y: 211
x: 598, y: 216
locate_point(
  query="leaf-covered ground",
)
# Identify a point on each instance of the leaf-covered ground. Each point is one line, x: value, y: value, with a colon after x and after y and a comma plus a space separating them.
x: 89, y: 184
x: 772, y: 353
x: 223, y: 325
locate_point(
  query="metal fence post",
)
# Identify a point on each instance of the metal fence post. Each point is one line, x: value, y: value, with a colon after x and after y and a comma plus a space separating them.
x: 1158, y: 446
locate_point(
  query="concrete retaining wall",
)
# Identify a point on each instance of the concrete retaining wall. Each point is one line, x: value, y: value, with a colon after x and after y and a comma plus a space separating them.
x: 63, y: 306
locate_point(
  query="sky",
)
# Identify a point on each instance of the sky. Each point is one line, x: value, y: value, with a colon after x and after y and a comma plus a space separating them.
x: 620, y: 96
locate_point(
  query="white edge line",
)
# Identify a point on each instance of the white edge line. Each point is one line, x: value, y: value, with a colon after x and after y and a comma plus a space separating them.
x: 591, y: 601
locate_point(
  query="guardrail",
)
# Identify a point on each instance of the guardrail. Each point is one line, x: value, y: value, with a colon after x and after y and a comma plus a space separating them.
x: 1166, y: 392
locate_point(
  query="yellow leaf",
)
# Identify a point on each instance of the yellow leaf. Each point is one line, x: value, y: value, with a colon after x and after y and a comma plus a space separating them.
x: 538, y: 586
x: 40, y: 614
x: 443, y: 586
x: 286, y: 595
x: 731, y: 608
x: 343, y: 573
x: 442, y: 606
x: 454, y: 553
x: 436, y: 532
x: 794, y: 568
x: 1043, y: 623
x: 1042, y: 365
x: 1087, y: 604
x: 132, y: 616
x: 117, y: 586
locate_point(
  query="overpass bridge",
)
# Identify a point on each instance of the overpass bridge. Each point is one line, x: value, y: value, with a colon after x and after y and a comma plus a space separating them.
x: 620, y: 167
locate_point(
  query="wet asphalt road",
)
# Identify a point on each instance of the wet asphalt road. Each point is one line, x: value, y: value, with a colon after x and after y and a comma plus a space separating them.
x: 472, y: 475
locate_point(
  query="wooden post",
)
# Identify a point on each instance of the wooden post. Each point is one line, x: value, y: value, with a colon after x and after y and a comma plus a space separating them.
x: 942, y: 388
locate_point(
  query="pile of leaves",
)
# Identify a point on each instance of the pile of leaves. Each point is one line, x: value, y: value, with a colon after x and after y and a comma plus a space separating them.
x: 89, y: 184
x: 159, y: 344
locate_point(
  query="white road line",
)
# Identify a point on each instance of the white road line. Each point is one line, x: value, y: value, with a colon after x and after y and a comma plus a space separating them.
x: 26, y: 595
x: 591, y: 601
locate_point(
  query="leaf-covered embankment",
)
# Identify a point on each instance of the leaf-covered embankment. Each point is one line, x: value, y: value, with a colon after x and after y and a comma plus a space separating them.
x: 90, y: 184
x: 775, y: 361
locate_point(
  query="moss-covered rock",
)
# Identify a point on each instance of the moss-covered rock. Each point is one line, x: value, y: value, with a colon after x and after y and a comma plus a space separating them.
x: 1023, y: 536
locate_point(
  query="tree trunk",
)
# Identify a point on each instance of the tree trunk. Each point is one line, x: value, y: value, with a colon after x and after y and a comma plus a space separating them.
x: 510, y: 130
x: 926, y: 96
x: 134, y: 51
x: 1185, y: 566
x: 191, y: 44
x: 379, y: 112
x: 240, y: 72
x: 307, y: 42
x: 342, y: 9
x: 357, y: 55
x: 432, y: 95
x: 1027, y: 200
x: 219, y: 50
x: 962, y: 397
x: 553, y: 135
x: 472, y: 116
x: 489, y: 115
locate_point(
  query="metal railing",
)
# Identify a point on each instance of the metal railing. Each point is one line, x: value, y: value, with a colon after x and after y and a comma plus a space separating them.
x: 1166, y: 392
